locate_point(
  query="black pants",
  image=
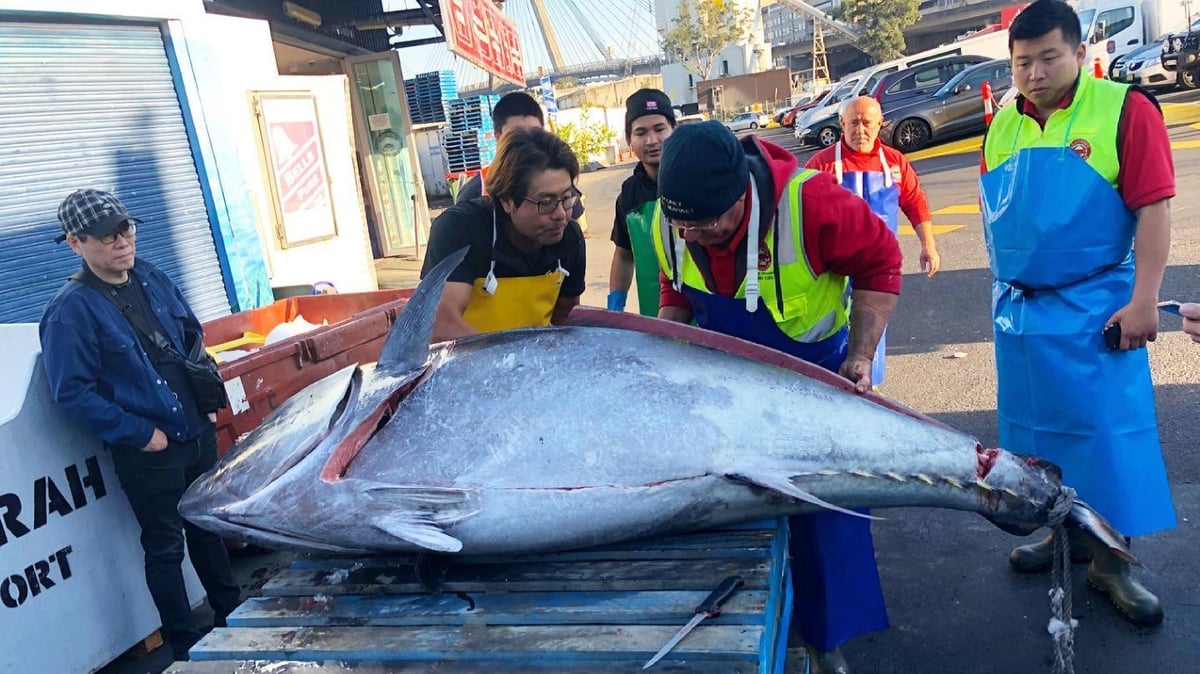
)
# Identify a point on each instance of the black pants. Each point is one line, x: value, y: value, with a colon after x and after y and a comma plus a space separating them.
x: 154, y: 482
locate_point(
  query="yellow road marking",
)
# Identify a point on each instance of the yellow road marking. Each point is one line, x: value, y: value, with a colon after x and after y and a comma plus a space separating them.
x: 1185, y: 145
x: 937, y: 229
x: 959, y: 209
x: 1181, y: 113
x: 957, y: 147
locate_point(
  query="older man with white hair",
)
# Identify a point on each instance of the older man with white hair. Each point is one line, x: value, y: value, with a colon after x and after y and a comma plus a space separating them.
x: 881, y: 176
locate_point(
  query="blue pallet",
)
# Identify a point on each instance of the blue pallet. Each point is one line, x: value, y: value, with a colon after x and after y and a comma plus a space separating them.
x: 601, y: 609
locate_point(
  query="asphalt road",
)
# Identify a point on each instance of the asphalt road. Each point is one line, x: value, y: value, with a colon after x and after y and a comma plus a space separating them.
x: 954, y: 604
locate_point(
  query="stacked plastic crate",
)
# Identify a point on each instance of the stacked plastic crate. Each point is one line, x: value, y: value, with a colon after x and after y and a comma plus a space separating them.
x: 470, y: 141
x: 427, y: 94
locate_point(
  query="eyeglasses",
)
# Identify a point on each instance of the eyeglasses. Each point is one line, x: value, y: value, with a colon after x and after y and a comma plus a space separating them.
x: 127, y: 230
x: 547, y: 206
x: 702, y: 226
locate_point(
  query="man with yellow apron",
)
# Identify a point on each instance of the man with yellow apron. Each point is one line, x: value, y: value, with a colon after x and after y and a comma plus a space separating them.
x: 649, y: 120
x: 753, y: 246
x: 1077, y: 174
x: 526, y: 258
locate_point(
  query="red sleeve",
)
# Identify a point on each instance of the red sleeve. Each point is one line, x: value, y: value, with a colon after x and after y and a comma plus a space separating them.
x: 913, y: 201
x: 668, y: 296
x: 1147, y: 171
x: 843, y: 236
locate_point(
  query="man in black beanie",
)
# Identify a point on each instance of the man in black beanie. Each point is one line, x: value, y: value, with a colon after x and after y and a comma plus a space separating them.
x: 752, y: 245
x: 649, y: 120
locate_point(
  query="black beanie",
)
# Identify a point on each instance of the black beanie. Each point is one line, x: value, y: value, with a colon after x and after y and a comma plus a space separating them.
x: 647, y: 102
x: 703, y: 171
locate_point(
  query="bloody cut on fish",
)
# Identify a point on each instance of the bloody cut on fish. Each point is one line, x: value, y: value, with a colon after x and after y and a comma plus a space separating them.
x: 615, y: 428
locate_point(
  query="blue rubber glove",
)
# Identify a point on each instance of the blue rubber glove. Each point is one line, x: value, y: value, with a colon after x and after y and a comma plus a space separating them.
x: 616, y: 300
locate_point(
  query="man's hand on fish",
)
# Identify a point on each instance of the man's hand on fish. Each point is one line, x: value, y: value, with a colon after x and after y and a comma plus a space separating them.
x: 1191, y: 320
x: 858, y: 370
x: 1139, y: 324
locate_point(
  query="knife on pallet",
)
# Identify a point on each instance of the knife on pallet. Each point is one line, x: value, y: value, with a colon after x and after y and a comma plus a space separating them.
x: 709, y: 608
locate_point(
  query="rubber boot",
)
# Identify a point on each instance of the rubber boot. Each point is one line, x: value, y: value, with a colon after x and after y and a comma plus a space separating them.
x: 827, y: 662
x: 1038, y: 557
x: 1111, y: 575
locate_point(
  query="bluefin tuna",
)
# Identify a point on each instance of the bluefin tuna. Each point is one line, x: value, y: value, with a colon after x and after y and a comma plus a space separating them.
x: 568, y: 437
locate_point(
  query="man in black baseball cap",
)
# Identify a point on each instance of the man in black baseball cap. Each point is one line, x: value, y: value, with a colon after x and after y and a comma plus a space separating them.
x: 754, y: 246
x: 114, y: 343
x: 649, y: 120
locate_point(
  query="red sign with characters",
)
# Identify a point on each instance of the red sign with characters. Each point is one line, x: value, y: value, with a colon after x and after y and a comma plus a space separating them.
x: 479, y: 32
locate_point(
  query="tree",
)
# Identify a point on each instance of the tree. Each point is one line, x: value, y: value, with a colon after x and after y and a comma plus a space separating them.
x: 882, y: 22
x: 586, y: 138
x: 702, y: 29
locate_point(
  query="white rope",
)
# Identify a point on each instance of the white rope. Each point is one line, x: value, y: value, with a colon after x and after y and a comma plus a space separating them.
x: 1062, y: 625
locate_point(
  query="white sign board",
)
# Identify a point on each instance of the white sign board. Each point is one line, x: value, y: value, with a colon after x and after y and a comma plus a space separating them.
x: 72, y: 587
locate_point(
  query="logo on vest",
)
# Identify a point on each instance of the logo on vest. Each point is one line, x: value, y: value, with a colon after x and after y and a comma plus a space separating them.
x: 1081, y: 148
x: 764, y: 257
x: 895, y: 174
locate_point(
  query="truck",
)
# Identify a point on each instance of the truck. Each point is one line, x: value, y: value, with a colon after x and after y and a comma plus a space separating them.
x: 1113, y: 28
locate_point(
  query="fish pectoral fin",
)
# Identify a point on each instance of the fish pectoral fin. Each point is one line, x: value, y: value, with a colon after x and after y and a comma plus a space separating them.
x: 417, y: 513
x: 418, y: 530
x: 779, y: 483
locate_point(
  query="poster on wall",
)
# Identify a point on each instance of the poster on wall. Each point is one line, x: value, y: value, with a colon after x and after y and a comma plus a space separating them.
x: 291, y: 140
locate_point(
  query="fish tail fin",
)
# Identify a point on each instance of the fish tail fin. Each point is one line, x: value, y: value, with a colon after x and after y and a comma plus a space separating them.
x: 407, y: 345
x: 1083, y: 517
x: 780, y: 482
x: 418, y: 514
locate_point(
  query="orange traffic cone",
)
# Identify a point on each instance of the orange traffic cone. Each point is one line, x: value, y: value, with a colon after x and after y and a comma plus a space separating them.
x: 986, y: 92
x: 1097, y: 69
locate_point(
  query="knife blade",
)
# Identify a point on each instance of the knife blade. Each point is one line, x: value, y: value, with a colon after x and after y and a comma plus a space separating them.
x: 709, y: 608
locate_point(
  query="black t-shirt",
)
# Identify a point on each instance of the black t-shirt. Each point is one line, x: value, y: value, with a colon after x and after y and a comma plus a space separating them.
x: 133, y: 296
x: 470, y: 224
x: 637, y: 190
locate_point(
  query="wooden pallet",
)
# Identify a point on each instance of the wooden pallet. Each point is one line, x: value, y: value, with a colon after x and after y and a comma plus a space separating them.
x: 607, y: 609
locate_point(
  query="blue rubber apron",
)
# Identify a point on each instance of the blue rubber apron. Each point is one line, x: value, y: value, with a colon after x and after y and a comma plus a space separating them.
x: 882, y: 194
x: 1059, y: 241
x: 836, y: 588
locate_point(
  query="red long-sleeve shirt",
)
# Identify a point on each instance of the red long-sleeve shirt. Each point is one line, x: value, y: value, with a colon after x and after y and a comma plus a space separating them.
x: 1147, y: 172
x: 912, y: 197
x: 841, y: 234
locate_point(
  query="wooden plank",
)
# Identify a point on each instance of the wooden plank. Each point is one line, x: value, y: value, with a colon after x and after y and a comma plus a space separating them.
x: 747, y: 607
x: 585, y: 666
x: 526, y: 577
x: 562, y: 643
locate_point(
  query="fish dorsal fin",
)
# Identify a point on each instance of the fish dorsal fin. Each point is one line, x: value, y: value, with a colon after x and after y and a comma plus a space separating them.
x: 407, y: 344
x: 779, y: 482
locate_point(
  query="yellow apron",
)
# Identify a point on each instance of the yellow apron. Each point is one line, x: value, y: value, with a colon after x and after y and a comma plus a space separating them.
x: 518, y: 302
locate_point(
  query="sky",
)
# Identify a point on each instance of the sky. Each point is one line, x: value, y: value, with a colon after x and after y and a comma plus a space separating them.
x: 586, y: 30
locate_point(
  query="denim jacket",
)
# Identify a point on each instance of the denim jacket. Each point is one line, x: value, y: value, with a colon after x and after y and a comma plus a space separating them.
x: 99, y: 373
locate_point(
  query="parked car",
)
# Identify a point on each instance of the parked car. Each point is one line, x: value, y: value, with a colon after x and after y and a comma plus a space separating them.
x: 821, y: 132
x: 789, y: 117
x: 690, y: 119
x: 921, y: 80
x: 747, y: 121
x: 1143, y: 66
x: 953, y: 110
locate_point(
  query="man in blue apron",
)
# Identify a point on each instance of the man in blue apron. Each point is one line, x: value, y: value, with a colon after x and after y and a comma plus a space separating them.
x: 753, y: 246
x: 882, y: 176
x: 1078, y: 173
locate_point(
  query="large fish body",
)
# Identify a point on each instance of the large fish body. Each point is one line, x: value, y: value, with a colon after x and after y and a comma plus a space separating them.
x: 561, y: 438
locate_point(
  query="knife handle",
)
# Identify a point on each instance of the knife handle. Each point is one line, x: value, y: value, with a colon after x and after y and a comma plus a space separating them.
x: 712, y: 605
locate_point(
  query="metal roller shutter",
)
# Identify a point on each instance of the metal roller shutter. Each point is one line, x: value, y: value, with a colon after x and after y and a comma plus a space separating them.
x: 95, y: 105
